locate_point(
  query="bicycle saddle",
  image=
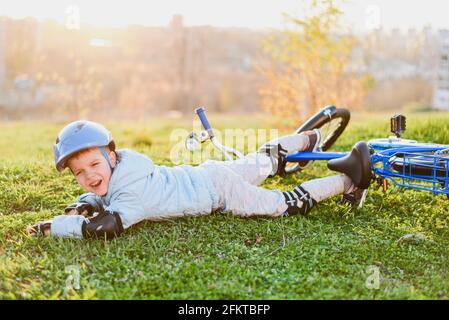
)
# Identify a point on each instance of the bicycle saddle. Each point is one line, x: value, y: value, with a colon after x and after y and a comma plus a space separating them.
x: 355, y: 165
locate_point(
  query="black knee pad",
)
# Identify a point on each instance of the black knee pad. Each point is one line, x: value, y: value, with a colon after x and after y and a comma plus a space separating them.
x: 277, y: 156
x: 299, y: 201
x: 104, y: 225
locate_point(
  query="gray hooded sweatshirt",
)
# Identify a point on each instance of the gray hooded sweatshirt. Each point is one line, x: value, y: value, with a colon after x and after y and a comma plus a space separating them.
x: 139, y: 190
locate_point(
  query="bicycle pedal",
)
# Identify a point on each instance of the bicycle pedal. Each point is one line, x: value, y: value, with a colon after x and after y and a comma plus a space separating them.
x: 385, y: 185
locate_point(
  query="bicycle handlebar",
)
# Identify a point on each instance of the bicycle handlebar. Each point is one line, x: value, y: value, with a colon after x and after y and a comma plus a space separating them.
x: 202, y: 115
x: 227, y: 151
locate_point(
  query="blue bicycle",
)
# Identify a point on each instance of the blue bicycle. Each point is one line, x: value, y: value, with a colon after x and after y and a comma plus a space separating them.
x: 405, y: 163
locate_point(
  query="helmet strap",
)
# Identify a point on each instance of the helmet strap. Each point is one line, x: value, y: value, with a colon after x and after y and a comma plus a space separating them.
x: 105, y: 154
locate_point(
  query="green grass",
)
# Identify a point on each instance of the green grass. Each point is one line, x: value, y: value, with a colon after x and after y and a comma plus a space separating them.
x: 323, y: 256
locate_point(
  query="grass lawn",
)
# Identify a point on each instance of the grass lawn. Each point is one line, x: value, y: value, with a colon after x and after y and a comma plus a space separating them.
x: 334, y: 253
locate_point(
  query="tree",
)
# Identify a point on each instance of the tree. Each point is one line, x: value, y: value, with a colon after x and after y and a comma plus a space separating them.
x: 307, y: 65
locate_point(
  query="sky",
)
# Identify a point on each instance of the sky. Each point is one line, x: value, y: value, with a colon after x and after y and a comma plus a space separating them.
x: 361, y: 15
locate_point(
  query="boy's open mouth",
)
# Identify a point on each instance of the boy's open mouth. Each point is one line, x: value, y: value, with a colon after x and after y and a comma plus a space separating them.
x: 96, y: 184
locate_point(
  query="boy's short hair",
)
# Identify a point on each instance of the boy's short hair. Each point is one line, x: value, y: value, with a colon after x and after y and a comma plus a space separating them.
x: 108, y: 148
x: 80, y: 152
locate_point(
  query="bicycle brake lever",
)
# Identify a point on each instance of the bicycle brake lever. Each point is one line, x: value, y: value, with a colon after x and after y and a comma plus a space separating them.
x: 192, y: 142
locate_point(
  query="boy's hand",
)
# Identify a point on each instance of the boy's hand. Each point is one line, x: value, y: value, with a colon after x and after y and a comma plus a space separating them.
x: 40, y: 229
x: 83, y: 209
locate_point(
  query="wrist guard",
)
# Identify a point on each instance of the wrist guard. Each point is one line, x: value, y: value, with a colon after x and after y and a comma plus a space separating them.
x: 39, y: 228
x: 82, y: 208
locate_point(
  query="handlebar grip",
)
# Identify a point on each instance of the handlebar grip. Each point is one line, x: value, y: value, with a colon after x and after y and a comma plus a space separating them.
x: 202, y: 115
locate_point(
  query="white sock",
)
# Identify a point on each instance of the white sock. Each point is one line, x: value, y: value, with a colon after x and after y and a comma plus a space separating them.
x: 292, y: 143
x: 349, y: 185
x: 324, y: 188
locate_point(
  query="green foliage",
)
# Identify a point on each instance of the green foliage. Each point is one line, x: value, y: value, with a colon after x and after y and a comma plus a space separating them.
x: 323, y: 256
x: 142, y: 139
x: 308, y: 64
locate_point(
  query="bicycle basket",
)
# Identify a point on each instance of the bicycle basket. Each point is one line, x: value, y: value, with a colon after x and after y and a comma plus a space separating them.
x: 413, y: 170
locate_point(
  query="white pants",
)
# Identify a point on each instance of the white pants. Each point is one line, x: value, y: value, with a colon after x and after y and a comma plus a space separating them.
x: 236, y: 182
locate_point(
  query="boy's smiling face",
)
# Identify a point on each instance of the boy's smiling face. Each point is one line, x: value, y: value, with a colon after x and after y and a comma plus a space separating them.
x: 92, y: 170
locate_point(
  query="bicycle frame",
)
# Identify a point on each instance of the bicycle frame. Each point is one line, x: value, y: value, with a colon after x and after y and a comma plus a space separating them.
x: 400, y: 154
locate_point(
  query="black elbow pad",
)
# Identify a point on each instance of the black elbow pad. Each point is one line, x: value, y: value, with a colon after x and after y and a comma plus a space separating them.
x: 104, y: 225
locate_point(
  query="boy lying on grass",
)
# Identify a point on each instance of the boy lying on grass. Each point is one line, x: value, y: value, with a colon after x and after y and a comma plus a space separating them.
x: 125, y: 187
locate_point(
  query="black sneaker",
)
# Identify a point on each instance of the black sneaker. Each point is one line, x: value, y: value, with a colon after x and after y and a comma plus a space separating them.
x: 314, y: 144
x: 298, y: 201
x: 356, y: 197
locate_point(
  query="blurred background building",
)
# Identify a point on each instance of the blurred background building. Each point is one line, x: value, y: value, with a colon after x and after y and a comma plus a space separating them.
x: 441, y: 94
x: 48, y: 70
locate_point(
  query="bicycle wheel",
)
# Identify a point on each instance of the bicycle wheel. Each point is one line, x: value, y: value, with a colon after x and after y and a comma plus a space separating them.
x: 331, y: 121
